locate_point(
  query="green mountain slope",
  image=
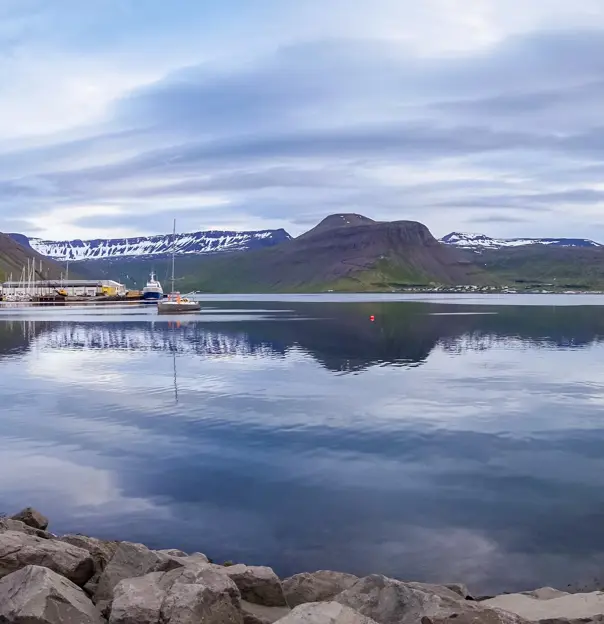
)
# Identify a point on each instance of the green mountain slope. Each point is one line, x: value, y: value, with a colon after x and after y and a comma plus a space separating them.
x: 580, y: 268
x: 344, y: 253
x: 14, y: 257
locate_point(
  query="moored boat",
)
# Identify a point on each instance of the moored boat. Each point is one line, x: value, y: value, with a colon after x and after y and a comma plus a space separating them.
x: 175, y: 304
x: 153, y: 292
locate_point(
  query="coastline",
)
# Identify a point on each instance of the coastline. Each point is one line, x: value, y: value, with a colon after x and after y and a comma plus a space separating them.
x: 71, y: 579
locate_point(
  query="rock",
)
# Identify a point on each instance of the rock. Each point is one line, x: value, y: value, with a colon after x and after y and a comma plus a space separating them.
x: 173, y: 552
x: 8, y: 524
x: 316, y: 586
x: 259, y: 614
x: 461, y: 589
x: 101, y: 552
x: 548, y: 604
x: 37, y: 595
x: 18, y: 550
x: 482, y: 616
x: 130, y: 561
x: 32, y: 517
x: 324, y: 613
x: 388, y: 601
x: 257, y: 584
x: 188, y: 595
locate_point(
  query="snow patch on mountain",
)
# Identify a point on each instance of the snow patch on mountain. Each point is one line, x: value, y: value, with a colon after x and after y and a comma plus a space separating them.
x: 479, y: 242
x: 210, y: 242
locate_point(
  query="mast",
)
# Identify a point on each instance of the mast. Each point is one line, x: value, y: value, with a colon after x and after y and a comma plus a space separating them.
x: 173, y: 252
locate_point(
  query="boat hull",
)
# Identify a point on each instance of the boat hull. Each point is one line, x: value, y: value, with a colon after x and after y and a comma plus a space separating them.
x: 152, y: 297
x: 167, y: 307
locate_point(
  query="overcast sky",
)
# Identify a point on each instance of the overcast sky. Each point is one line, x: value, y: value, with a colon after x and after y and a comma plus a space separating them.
x: 472, y: 115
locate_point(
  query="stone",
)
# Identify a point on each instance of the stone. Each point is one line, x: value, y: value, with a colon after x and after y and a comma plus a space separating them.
x: 549, y: 604
x: 18, y: 550
x: 481, y: 616
x: 257, y: 584
x: 173, y: 552
x: 388, y: 601
x: 188, y: 595
x: 259, y: 614
x: 316, y: 586
x: 101, y: 552
x: 130, y: 561
x: 8, y: 524
x: 461, y: 589
x: 37, y: 595
x: 324, y: 613
x: 32, y: 517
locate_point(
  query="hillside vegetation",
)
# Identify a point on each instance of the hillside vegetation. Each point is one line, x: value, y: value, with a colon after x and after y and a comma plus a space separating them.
x: 14, y: 257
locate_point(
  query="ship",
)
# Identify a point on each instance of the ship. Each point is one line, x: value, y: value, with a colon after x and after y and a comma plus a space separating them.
x: 153, y: 292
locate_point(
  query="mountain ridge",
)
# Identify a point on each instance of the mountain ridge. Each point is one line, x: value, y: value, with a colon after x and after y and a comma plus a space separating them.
x: 479, y: 242
x: 159, y: 245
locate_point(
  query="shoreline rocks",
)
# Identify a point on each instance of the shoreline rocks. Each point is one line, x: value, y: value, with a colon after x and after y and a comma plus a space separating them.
x: 75, y: 579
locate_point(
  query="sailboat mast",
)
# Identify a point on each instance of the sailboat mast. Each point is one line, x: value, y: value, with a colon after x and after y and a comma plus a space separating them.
x: 173, y: 252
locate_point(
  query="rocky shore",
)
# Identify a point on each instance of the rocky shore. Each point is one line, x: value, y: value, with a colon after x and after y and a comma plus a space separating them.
x: 74, y: 579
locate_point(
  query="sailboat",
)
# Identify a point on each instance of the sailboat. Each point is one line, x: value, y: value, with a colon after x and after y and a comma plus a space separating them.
x: 175, y: 303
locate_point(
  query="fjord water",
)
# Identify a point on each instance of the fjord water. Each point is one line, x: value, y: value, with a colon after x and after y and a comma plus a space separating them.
x: 437, y: 443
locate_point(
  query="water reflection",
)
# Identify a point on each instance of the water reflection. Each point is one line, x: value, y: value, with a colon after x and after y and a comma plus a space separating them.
x: 453, y: 446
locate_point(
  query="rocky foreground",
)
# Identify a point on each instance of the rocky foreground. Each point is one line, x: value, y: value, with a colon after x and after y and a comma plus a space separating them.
x: 73, y: 579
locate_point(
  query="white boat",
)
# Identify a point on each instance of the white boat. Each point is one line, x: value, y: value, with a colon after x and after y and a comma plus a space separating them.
x: 153, y: 292
x: 175, y: 303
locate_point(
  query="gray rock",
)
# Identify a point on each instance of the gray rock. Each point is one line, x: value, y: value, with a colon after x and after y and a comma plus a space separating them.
x: 316, y: 586
x: 482, y: 616
x: 130, y: 561
x: 18, y: 550
x: 173, y: 552
x: 259, y: 614
x: 37, y: 595
x: 188, y: 595
x: 547, y: 604
x: 388, y: 601
x: 32, y: 517
x: 324, y: 613
x: 8, y: 524
x: 257, y: 584
x: 461, y: 589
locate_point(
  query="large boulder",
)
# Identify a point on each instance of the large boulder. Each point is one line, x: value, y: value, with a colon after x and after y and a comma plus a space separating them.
x: 257, y: 584
x: 32, y: 517
x: 130, y: 561
x: 18, y: 550
x: 482, y: 616
x: 324, y: 613
x: 550, y: 604
x: 8, y: 524
x: 388, y: 601
x: 259, y: 614
x: 37, y: 595
x: 316, y: 586
x: 184, y: 596
x: 101, y: 552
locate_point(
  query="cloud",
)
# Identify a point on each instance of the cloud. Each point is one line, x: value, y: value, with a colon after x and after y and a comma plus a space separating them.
x: 282, y: 129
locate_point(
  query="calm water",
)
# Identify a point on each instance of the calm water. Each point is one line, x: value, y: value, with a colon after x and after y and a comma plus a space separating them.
x: 440, y: 442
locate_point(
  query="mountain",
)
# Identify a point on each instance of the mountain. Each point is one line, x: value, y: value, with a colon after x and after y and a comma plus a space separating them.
x: 346, y: 252
x: 480, y: 242
x: 153, y: 246
x: 15, y: 257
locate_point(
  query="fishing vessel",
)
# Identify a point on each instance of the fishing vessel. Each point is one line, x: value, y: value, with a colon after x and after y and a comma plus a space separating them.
x: 153, y: 291
x: 175, y: 303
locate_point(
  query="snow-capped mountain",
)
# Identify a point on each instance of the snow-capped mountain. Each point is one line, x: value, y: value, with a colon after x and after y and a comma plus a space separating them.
x: 153, y: 246
x: 479, y: 242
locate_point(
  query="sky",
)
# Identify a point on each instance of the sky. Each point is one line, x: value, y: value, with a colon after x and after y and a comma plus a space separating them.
x: 117, y: 116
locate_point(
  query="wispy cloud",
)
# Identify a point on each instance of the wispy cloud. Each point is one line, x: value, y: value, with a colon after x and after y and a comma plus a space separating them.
x: 267, y: 116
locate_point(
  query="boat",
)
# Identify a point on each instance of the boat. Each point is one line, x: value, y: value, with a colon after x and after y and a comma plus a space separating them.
x: 175, y: 303
x: 153, y: 291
